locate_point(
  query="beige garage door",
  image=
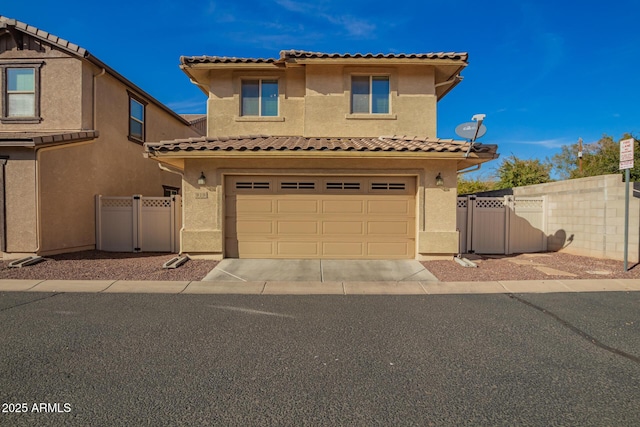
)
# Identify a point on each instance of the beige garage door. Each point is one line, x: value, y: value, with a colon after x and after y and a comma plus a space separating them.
x: 320, y: 217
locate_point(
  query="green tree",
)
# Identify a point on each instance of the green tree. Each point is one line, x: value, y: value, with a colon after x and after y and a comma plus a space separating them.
x: 516, y: 172
x: 474, y: 185
x: 599, y: 158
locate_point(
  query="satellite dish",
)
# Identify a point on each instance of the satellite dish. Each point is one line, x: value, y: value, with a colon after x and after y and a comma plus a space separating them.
x: 468, y: 130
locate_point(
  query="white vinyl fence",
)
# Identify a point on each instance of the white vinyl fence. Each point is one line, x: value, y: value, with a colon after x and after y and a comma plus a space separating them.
x: 501, y: 225
x: 138, y: 224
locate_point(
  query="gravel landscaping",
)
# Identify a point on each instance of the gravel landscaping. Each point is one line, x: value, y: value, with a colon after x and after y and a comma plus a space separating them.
x: 97, y: 265
x: 532, y: 267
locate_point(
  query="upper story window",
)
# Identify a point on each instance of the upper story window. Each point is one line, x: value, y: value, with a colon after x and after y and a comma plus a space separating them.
x: 370, y: 94
x: 21, y: 93
x: 136, y: 119
x: 260, y: 98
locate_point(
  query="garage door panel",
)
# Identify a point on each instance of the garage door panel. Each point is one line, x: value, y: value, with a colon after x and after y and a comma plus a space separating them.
x: 296, y: 206
x: 254, y: 227
x: 397, y: 249
x: 343, y: 206
x: 295, y: 249
x: 254, y: 205
x: 298, y: 227
x: 340, y: 228
x: 388, y: 206
x: 398, y: 228
x: 255, y: 248
x: 343, y: 249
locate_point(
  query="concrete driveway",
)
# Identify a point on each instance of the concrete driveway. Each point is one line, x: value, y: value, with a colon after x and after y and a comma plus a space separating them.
x: 315, y: 270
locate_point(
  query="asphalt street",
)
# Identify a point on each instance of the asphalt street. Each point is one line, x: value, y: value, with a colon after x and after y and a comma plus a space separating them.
x: 135, y: 359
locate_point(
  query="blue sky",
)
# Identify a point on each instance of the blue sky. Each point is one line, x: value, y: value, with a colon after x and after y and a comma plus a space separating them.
x: 545, y: 72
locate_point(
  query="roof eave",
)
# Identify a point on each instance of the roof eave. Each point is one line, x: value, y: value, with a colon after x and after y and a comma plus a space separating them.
x: 50, y: 140
x: 305, y: 154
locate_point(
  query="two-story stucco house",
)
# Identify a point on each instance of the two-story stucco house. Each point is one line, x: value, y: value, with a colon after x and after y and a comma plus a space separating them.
x: 71, y: 127
x: 315, y: 155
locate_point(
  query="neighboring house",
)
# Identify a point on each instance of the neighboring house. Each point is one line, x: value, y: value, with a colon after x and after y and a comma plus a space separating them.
x: 71, y: 128
x: 295, y: 163
x: 197, y: 121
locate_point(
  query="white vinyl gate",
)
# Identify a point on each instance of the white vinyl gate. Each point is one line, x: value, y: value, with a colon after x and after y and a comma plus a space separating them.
x: 501, y: 225
x: 138, y: 224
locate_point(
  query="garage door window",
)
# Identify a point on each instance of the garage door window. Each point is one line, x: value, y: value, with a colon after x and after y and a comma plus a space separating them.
x: 343, y: 186
x: 297, y: 185
x: 388, y: 186
x: 250, y: 185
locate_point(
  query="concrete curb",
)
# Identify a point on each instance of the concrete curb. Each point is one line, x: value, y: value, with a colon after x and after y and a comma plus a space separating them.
x: 321, y: 288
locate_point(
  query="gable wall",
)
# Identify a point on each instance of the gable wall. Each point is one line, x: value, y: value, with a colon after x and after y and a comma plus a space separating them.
x: 61, y: 85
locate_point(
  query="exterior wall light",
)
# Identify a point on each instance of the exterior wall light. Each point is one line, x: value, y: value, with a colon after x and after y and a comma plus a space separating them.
x: 202, y: 180
x: 439, y: 180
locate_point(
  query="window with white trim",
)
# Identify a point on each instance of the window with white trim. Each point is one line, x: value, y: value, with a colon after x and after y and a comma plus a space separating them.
x: 370, y: 94
x: 259, y: 97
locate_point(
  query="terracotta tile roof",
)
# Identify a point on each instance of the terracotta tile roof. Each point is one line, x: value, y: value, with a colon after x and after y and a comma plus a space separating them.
x: 302, y: 54
x: 286, y: 54
x: 204, y: 59
x: 299, y: 143
x: 30, y: 139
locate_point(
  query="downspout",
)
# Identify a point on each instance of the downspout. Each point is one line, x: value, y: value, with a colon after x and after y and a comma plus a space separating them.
x: 178, y: 172
x: 202, y: 87
x: 95, y: 95
x: 472, y: 169
x: 454, y: 79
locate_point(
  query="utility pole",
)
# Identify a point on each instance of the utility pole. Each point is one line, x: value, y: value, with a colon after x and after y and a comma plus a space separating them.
x: 580, y: 155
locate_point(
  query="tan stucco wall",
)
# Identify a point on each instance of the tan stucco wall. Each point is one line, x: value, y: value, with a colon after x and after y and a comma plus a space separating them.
x: 120, y: 167
x: 586, y: 216
x: 20, y: 200
x: 314, y: 96
x: 66, y: 192
x: 328, y: 98
x: 204, y: 205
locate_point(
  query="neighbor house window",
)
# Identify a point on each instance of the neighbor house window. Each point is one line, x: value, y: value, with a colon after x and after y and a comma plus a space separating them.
x: 260, y: 98
x: 170, y: 191
x: 21, y: 93
x: 370, y: 94
x: 136, y: 119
